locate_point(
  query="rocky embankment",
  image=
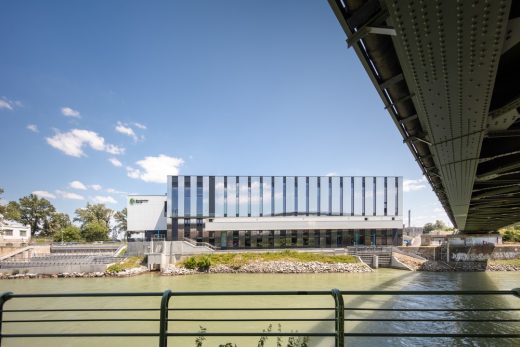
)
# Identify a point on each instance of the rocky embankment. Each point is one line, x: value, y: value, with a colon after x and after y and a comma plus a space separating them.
x: 491, y: 266
x: 276, y: 267
x: 126, y: 273
x: 461, y: 266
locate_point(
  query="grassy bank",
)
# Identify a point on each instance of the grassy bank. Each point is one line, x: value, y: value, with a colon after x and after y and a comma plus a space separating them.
x: 128, y: 263
x: 237, y: 260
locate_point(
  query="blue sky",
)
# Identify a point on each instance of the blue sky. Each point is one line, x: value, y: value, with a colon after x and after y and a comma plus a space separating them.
x: 103, y: 98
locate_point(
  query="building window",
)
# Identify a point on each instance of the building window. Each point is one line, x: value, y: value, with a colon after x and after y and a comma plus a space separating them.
x: 8, y: 232
x: 23, y: 233
x: 247, y: 240
x: 306, y: 238
x: 294, y: 238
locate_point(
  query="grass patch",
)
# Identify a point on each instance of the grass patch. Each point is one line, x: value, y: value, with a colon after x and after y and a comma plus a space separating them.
x: 128, y: 263
x: 237, y: 260
x: 512, y: 262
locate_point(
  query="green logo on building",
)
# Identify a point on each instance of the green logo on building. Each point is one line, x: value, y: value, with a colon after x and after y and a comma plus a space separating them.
x: 132, y: 201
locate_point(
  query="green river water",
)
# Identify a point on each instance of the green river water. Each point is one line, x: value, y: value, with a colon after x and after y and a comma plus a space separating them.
x: 382, y: 279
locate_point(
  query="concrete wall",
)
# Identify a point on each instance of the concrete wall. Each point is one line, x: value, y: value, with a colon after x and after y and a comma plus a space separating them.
x: 58, y: 269
x: 140, y: 248
x: 428, y: 252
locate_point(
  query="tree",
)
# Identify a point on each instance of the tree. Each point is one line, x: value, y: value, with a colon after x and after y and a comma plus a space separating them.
x: 120, y: 217
x: 11, y: 211
x: 70, y: 233
x: 97, y: 213
x: 428, y: 228
x: 56, y: 223
x: 94, y: 231
x: 440, y: 225
x: 35, y: 211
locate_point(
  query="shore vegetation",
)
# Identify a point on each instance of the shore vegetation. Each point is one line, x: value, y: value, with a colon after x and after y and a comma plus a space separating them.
x: 128, y: 263
x: 237, y: 260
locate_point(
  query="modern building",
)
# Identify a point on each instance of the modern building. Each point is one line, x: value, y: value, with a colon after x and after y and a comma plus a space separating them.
x: 146, y: 216
x: 285, y: 211
x: 13, y: 233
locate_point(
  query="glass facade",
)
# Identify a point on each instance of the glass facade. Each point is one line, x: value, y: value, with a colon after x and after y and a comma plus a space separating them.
x: 194, y: 201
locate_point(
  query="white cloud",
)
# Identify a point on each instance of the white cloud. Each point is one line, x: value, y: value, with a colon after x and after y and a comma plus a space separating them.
x: 72, y: 142
x: 77, y: 185
x: 44, y: 194
x: 33, y: 128
x: 5, y: 104
x: 69, y: 112
x: 116, y: 162
x: 140, y: 126
x: 126, y: 130
x: 96, y: 187
x: 332, y: 174
x: 69, y: 196
x: 155, y: 169
x: 414, y: 185
x: 114, y: 191
x: 9, y: 104
x: 101, y: 199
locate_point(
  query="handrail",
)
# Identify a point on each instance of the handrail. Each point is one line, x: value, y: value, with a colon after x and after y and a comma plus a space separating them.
x: 165, y: 331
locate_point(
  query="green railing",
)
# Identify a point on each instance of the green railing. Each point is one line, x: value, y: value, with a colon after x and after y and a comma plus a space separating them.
x: 165, y: 328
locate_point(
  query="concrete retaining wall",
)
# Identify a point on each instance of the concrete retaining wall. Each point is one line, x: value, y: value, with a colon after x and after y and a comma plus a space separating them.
x: 58, y: 269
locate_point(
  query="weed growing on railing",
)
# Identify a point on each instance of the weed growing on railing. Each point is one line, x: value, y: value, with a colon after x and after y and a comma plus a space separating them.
x: 292, y: 341
x: 200, y: 339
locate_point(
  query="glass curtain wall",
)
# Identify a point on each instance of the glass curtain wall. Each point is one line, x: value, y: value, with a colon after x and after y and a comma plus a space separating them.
x: 196, y: 197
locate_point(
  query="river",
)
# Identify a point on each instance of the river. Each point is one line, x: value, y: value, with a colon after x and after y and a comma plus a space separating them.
x: 382, y: 279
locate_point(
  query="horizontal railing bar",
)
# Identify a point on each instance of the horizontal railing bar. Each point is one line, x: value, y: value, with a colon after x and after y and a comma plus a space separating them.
x: 83, y: 320
x: 252, y: 320
x: 81, y: 335
x: 254, y: 309
x: 502, y: 336
x: 82, y: 310
x: 269, y: 293
x: 81, y: 295
x: 432, y: 309
x: 250, y: 334
x: 428, y: 320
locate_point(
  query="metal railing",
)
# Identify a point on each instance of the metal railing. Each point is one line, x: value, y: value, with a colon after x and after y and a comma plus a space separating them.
x: 167, y: 327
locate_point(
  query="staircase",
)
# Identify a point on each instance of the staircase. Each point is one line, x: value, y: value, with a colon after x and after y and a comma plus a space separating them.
x: 367, y: 255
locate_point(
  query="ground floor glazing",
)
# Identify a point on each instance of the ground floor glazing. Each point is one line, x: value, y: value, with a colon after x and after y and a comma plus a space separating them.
x: 253, y: 239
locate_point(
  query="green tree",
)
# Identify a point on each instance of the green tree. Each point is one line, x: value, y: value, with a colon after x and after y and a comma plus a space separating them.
x: 70, y: 233
x: 121, y: 225
x: 12, y: 211
x: 428, y: 228
x: 440, y: 225
x: 97, y: 213
x: 94, y: 231
x: 55, y: 223
x: 35, y: 212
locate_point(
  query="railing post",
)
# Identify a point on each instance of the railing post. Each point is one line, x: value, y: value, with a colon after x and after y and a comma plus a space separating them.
x: 163, y: 324
x: 339, y: 318
x: 516, y: 292
x: 3, y: 298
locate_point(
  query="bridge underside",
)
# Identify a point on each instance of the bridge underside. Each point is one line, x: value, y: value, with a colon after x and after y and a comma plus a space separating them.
x: 447, y: 72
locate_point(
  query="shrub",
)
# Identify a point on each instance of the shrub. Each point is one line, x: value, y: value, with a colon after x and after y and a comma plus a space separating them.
x: 190, y: 263
x: 204, y: 263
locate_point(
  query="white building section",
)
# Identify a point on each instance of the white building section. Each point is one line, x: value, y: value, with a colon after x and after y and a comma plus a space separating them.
x: 14, y: 232
x: 146, y: 213
x: 304, y: 223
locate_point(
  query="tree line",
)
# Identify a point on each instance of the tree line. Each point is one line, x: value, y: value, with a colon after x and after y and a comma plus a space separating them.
x: 94, y: 220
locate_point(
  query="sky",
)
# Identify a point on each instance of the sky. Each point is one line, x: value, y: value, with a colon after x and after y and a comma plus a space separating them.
x: 99, y: 99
